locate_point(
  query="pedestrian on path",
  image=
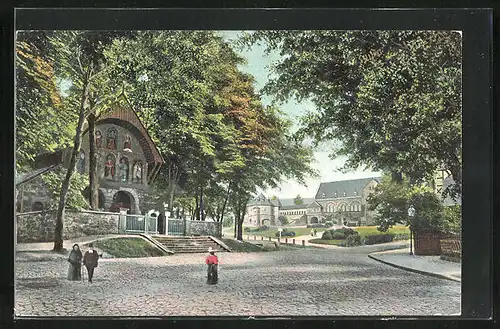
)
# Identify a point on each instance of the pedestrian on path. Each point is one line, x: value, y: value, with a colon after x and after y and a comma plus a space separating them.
x: 213, y: 262
x: 315, y: 232
x: 91, y: 260
x: 75, y: 264
x: 312, y: 232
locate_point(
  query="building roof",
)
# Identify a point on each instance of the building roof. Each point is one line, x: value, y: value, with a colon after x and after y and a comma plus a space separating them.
x: 352, y: 187
x: 261, y: 200
x: 289, y: 204
x: 125, y: 116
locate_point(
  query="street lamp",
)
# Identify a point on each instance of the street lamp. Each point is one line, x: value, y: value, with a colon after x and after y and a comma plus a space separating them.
x: 280, y: 230
x: 411, y: 214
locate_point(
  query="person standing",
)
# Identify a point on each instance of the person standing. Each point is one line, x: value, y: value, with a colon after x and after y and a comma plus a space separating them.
x: 75, y: 264
x: 90, y: 260
x: 213, y: 262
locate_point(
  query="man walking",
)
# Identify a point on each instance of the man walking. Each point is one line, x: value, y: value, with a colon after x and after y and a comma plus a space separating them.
x: 90, y: 260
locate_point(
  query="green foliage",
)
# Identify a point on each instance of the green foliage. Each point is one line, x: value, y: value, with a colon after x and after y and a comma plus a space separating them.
x: 327, y: 235
x: 392, y: 99
x: 378, y: 238
x: 228, y: 221
x: 43, y: 124
x: 298, y: 200
x: 283, y: 220
x: 353, y: 240
x: 75, y: 199
x: 453, y: 219
x: 338, y: 235
x: 390, y: 200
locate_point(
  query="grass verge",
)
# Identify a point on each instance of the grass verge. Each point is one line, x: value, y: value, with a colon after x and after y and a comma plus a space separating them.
x: 329, y: 242
x: 128, y: 248
x: 241, y: 246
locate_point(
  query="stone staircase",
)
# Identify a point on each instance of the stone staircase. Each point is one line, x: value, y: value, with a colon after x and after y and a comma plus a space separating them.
x: 190, y: 244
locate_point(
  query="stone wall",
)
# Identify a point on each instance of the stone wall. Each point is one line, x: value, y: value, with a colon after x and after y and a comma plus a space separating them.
x: 429, y: 243
x: 451, y: 248
x: 203, y: 228
x: 39, y: 226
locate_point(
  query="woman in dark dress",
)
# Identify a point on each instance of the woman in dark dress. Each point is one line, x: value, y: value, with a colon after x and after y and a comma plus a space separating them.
x: 75, y: 263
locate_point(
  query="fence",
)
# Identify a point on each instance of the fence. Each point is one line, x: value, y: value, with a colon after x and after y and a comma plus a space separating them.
x: 282, y: 240
x: 139, y: 224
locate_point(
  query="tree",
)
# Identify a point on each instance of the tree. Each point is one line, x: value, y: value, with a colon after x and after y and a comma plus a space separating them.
x: 391, y: 201
x: 298, y: 200
x: 391, y: 98
x: 90, y: 90
x: 42, y: 123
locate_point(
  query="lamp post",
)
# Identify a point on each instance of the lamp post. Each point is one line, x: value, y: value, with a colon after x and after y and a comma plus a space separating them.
x: 411, y: 214
x: 280, y: 230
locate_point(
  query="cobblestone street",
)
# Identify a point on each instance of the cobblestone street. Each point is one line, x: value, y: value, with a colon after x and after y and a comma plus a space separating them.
x: 327, y: 282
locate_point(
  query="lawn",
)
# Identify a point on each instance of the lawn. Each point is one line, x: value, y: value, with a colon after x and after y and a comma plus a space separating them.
x: 370, y: 230
x: 330, y: 242
x: 241, y: 246
x: 128, y: 248
x: 363, y: 232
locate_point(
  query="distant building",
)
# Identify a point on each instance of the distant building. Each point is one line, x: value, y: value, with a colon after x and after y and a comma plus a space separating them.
x: 443, y: 180
x: 339, y: 202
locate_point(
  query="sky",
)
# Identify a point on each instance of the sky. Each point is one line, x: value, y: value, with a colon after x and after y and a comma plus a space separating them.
x: 258, y: 66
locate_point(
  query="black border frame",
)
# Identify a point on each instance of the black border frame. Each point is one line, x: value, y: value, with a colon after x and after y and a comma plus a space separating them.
x: 476, y: 24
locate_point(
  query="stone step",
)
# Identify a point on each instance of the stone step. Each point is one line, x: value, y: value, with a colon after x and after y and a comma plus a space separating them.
x: 188, y: 244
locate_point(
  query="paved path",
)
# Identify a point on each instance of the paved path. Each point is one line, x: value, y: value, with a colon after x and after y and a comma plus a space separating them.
x: 432, y: 265
x: 284, y: 283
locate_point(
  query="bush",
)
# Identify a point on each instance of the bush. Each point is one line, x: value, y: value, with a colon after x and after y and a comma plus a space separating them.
x: 263, y: 228
x: 327, y: 235
x: 285, y: 233
x: 379, y: 238
x: 336, y: 235
x: 353, y: 240
x: 348, y: 231
x: 328, y: 224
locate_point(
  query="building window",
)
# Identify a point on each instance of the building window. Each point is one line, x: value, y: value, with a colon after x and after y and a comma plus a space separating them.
x: 345, y: 194
x: 336, y: 194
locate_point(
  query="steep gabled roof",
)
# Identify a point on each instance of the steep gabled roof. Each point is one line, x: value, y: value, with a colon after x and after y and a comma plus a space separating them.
x: 351, y: 187
x: 260, y: 200
x: 124, y: 115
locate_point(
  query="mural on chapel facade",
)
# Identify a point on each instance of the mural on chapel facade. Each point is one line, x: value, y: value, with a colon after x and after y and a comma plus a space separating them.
x: 127, y: 162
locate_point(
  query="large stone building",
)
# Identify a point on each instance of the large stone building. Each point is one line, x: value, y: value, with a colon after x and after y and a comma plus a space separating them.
x: 339, y: 202
x: 127, y: 162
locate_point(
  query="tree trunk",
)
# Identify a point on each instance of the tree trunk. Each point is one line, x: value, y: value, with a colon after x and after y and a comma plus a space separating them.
x: 58, y: 232
x: 240, y: 227
x: 202, y: 206
x: 225, y: 203
x: 93, y: 182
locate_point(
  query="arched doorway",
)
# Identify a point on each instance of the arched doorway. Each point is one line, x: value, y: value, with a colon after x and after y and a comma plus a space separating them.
x: 122, y: 199
x: 314, y: 220
x: 266, y: 222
